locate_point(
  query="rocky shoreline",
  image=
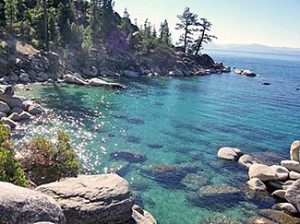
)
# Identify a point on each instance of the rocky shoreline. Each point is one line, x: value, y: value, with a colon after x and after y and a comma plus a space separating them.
x: 281, y: 181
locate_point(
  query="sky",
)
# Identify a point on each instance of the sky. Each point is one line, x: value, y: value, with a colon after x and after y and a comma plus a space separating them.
x: 269, y: 22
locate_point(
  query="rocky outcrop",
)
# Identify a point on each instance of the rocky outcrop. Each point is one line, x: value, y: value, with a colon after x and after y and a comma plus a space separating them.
x: 92, y: 199
x: 19, y: 205
x: 282, y: 172
x: 14, y: 109
x: 293, y: 194
x: 245, y: 72
x: 291, y: 165
x: 229, y: 153
x: 295, y: 151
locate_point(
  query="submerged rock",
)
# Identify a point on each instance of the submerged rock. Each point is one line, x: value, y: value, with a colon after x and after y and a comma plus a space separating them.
x: 229, y: 153
x: 21, y: 205
x: 221, y: 219
x: 279, y: 217
x: 92, y: 198
x: 215, y: 197
x: 260, y: 220
x: 256, y: 184
x: 132, y: 157
x: 194, y: 181
x: 286, y: 207
x: 166, y: 174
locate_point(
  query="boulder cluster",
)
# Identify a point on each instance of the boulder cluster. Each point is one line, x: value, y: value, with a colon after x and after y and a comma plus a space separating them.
x: 14, y: 109
x: 282, y: 181
x: 86, y: 199
x: 245, y: 72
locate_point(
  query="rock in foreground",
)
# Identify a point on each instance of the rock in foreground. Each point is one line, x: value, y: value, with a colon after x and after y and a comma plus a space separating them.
x: 20, y: 205
x: 92, y: 199
x: 262, y: 172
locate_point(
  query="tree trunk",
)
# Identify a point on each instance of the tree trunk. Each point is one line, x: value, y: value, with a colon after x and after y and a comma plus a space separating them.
x: 200, y: 41
x: 46, y: 24
x: 185, y: 39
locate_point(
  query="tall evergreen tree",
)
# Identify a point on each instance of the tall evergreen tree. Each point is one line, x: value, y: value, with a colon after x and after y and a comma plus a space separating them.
x: 10, y: 8
x: 2, y: 13
x: 204, y: 36
x: 125, y: 25
x: 188, y: 22
x: 165, y: 34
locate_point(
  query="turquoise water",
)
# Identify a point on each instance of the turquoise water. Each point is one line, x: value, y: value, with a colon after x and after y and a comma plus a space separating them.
x: 180, y: 123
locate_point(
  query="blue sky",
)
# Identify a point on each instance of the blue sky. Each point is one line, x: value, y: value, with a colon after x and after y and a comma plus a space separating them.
x: 268, y: 22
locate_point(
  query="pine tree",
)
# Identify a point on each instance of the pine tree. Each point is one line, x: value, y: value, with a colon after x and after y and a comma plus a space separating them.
x: 10, y: 8
x: 165, y: 34
x: 125, y: 25
x: 204, y: 37
x: 2, y: 13
x: 188, y: 23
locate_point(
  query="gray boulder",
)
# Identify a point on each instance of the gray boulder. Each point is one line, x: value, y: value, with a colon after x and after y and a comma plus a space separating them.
x: 19, y: 205
x: 25, y: 115
x: 92, y: 198
x: 256, y: 184
x: 247, y: 160
x: 24, y: 77
x: 7, y: 121
x: 282, y: 172
x: 74, y: 79
x: 293, y: 194
x: 295, y: 151
x: 229, y: 153
x: 294, y: 175
x: 291, y: 165
x: 131, y: 74
x: 279, y: 194
x: 12, y: 101
x: 2, y: 115
x: 262, y: 172
x: 42, y: 77
x: 286, y: 207
x: 17, y: 110
x: 4, y: 108
x: 14, y: 116
x: 140, y: 216
x: 13, y: 77
x: 35, y: 110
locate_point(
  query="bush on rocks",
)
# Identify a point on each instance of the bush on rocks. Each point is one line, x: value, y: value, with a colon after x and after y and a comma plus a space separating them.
x: 46, y: 162
x: 10, y: 169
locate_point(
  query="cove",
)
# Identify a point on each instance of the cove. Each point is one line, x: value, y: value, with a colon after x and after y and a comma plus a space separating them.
x: 178, y: 125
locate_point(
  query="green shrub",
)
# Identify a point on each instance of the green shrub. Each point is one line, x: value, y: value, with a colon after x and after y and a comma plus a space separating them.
x: 10, y: 169
x: 48, y: 162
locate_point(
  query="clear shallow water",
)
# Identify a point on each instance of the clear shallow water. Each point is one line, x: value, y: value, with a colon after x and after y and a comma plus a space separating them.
x: 183, y: 123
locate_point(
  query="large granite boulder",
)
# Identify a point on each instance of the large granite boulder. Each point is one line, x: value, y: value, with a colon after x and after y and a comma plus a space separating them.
x: 282, y: 172
x: 291, y: 165
x: 20, y: 205
x: 247, y: 161
x: 92, y: 198
x: 295, y: 151
x: 75, y: 79
x: 229, y: 153
x: 262, y: 172
x: 4, y: 108
x: 293, y: 194
x: 12, y: 101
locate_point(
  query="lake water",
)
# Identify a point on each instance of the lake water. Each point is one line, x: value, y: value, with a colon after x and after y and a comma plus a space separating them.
x: 179, y: 124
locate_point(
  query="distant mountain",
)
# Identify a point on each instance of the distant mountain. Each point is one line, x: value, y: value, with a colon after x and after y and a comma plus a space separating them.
x: 255, y: 48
